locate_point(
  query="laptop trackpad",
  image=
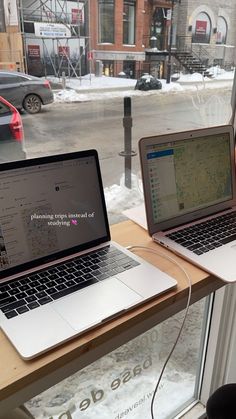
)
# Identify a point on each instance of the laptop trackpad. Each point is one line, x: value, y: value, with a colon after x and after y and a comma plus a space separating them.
x: 96, y: 303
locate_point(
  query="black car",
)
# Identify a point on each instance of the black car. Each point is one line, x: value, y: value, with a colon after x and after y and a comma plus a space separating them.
x: 11, y: 133
x: 25, y: 91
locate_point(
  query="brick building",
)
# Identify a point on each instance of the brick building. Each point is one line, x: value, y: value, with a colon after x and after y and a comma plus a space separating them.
x: 135, y: 36
x: 117, y: 31
x: 121, y: 32
x: 129, y: 36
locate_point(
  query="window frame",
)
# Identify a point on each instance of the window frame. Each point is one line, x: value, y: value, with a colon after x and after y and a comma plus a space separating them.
x: 202, y: 38
x: 131, y: 22
x: 104, y: 38
x: 223, y: 36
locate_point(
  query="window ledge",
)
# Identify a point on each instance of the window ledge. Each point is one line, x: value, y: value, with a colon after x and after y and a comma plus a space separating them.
x: 197, y: 411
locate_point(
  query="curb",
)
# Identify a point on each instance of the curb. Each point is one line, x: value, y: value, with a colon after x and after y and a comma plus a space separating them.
x: 100, y: 90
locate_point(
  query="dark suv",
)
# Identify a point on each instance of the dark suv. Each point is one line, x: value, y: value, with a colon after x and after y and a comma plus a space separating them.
x: 25, y: 91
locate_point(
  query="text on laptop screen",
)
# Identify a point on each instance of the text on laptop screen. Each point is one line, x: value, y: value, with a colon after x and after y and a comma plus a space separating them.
x: 49, y: 208
x: 188, y: 175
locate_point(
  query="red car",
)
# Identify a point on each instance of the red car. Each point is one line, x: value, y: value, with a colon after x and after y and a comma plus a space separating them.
x: 11, y: 133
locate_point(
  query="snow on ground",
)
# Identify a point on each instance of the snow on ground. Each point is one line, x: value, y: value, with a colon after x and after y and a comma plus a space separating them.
x: 90, y: 87
x: 119, y: 198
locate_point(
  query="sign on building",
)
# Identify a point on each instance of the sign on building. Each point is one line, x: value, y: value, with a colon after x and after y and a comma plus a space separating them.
x: 63, y: 51
x: 33, y: 51
x: 51, y: 30
x: 77, y: 16
x: 201, y: 27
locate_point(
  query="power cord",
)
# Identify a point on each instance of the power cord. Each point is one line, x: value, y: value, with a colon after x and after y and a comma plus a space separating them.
x: 131, y: 248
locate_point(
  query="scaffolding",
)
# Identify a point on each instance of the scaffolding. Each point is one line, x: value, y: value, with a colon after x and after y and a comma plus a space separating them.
x: 56, y: 36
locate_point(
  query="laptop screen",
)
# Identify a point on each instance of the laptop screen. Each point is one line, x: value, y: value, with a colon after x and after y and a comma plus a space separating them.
x: 50, y: 206
x: 188, y: 175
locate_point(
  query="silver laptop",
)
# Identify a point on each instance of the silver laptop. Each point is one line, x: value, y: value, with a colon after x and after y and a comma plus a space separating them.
x: 189, y: 186
x: 59, y: 273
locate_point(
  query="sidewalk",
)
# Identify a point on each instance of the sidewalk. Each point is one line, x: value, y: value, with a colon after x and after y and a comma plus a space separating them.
x: 90, y: 87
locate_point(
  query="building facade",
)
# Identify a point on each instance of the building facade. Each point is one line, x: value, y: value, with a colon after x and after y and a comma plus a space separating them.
x: 118, y: 30
x: 209, y: 28
x: 122, y: 31
x: 136, y: 36
x: 115, y: 37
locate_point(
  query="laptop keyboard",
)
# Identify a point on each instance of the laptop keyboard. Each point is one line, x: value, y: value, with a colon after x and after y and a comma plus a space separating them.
x: 37, y: 289
x: 207, y: 235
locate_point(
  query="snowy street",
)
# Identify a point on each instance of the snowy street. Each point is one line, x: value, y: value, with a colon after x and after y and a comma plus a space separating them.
x: 64, y: 127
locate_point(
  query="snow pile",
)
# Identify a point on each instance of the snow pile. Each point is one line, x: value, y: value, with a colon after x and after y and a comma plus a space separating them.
x: 91, y: 88
x: 220, y: 73
x: 119, y: 196
x: 191, y: 78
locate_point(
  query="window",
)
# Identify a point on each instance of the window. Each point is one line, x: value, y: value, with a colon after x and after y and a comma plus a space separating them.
x: 9, y: 79
x: 202, y: 29
x: 89, y: 113
x: 121, y: 383
x: 221, y: 34
x: 129, y: 22
x: 106, y: 21
x: 108, y: 68
x: 4, y: 109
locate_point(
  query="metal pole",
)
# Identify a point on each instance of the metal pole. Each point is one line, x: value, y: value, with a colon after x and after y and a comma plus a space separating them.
x: 89, y: 39
x: 20, y: 8
x: 127, y: 153
x: 168, y: 76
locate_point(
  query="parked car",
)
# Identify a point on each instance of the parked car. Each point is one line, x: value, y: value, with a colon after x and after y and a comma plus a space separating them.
x: 11, y: 133
x: 25, y: 91
x: 148, y: 82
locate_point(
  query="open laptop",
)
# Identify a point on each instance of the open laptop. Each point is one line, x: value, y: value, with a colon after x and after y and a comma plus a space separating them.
x: 59, y: 273
x: 190, y: 196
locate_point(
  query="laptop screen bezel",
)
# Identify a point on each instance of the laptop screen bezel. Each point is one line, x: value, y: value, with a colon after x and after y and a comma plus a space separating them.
x: 172, y: 222
x: 73, y: 250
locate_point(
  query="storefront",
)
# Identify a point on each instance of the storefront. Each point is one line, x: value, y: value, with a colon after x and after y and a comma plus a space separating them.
x: 116, y: 62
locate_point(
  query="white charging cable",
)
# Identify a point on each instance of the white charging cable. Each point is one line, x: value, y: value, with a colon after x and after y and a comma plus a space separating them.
x: 131, y: 248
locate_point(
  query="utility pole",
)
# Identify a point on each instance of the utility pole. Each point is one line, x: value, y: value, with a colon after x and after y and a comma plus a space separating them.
x: 21, y: 17
x: 168, y: 75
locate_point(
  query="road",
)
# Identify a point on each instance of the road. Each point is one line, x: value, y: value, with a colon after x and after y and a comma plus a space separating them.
x: 68, y: 127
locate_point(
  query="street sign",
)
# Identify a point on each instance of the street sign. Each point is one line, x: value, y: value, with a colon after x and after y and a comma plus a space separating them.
x: 90, y: 55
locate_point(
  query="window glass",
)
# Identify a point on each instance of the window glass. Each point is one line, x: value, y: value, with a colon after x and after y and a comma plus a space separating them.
x: 121, y: 384
x: 129, y: 22
x: 4, y: 109
x: 108, y: 68
x: 106, y: 21
x: 90, y: 76
x: 8, y: 78
x: 221, y: 34
x: 202, y: 28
